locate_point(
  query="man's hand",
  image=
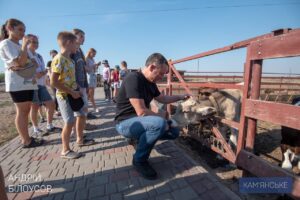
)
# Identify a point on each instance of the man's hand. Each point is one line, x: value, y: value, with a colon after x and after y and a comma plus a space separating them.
x: 185, y: 97
x: 76, y: 94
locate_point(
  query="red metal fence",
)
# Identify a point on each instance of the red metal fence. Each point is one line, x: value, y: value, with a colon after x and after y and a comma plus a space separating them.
x: 278, y: 87
x: 278, y: 44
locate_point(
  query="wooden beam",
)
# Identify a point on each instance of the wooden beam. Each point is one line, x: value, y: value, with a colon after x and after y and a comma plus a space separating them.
x: 286, y: 45
x: 277, y: 113
x: 261, y: 168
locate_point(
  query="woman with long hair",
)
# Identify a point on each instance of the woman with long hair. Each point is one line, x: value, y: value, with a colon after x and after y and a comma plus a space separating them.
x: 19, y: 76
x: 91, y: 68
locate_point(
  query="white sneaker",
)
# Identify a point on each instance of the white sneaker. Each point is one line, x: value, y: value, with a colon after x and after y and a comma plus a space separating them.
x: 106, y: 99
x: 38, y: 133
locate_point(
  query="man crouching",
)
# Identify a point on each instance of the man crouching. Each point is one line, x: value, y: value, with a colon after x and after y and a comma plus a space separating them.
x: 135, y: 119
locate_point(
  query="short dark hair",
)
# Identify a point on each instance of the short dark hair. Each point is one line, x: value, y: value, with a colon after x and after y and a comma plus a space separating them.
x: 156, y: 58
x: 53, y: 51
x: 76, y: 31
x: 124, y: 63
x: 66, y: 36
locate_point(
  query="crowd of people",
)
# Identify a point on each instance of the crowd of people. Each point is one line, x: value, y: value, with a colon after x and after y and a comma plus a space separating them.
x: 28, y: 79
x: 72, y: 79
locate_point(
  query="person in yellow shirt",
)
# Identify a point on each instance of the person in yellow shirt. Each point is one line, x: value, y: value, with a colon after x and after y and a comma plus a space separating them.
x: 63, y: 79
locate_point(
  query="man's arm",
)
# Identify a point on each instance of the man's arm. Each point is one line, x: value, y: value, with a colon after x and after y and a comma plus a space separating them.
x: 142, y: 110
x: 171, y: 99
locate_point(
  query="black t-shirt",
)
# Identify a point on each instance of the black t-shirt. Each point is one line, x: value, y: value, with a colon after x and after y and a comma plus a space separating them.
x: 135, y: 85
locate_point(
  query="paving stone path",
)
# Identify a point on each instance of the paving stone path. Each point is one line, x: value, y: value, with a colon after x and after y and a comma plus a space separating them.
x: 105, y: 172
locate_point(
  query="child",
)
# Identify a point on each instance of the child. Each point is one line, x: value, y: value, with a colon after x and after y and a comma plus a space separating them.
x: 63, y: 79
x: 41, y: 96
x: 19, y: 81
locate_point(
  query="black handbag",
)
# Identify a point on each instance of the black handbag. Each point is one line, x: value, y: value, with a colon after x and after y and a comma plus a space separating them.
x: 76, y: 104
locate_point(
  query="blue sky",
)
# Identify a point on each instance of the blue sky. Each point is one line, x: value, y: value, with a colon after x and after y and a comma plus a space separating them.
x: 133, y: 29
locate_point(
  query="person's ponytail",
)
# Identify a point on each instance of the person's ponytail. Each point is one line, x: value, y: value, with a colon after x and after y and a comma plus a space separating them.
x: 4, y: 33
x: 9, y: 23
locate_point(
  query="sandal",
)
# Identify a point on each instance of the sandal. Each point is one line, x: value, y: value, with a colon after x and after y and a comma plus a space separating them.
x: 90, y: 127
x: 35, y: 142
x: 91, y: 116
x: 86, y: 142
x: 70, y: 155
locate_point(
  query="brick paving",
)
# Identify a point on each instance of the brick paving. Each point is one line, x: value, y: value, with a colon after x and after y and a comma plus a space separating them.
x: 105, y: 172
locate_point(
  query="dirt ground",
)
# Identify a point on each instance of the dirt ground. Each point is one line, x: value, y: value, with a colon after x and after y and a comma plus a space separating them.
x: 267, y: 146
x: 7, y: 117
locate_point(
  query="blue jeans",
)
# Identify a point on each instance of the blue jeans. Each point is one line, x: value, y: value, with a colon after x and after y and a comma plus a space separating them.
x: 147, y: 130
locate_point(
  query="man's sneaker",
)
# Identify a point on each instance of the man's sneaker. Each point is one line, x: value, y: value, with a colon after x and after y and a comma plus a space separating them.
x: 91, y: 116
x: 54, y: 130
x: 145, y: 170
x: 132, y: 142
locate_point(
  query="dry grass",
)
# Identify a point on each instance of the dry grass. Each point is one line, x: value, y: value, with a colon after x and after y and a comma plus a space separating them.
x: 7, y: 117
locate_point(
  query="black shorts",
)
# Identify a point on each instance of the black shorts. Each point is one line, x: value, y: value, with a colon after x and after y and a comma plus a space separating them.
x: 22, y: 96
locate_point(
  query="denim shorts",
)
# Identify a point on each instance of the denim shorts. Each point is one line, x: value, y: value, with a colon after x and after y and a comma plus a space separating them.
x: 41, y: 95
x: 92, y: 80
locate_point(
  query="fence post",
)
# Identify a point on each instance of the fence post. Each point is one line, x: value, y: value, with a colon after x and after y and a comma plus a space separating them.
x: 169, y: 82
x: 254, y: 94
